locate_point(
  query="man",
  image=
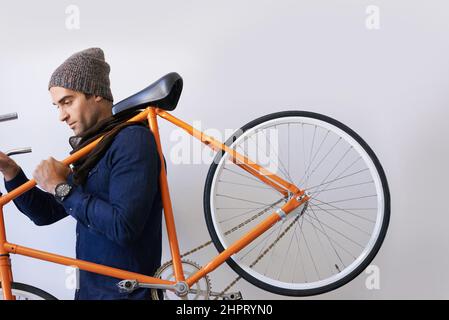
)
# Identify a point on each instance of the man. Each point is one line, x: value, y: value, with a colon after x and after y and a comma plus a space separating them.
x: 113, y: 193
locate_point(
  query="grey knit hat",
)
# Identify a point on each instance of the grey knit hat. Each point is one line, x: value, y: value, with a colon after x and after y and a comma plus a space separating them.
x: 85, y: 71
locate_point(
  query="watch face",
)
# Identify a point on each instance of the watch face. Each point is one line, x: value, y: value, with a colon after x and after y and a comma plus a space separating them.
x: 62, y: 189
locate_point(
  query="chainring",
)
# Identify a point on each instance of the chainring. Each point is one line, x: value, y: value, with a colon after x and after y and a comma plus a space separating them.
x: 201, y: 289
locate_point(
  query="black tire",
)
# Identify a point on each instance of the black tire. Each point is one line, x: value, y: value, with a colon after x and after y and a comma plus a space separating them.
x: 17, y: 286
x: 293, y: 292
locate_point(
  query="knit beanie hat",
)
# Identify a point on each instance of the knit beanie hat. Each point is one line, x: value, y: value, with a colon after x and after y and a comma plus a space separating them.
x: 85, y: 71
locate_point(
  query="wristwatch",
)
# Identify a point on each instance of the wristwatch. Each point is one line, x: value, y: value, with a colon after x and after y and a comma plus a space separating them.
x: 62, y: 190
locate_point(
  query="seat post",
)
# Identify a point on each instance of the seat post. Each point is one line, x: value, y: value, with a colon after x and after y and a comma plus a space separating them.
x: 168, y: 210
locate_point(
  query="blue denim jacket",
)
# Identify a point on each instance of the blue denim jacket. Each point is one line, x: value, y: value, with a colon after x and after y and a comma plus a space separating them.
x: 118, y: 213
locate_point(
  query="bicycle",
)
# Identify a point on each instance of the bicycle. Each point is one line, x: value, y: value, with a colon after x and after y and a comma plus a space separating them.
x: 307, y: 221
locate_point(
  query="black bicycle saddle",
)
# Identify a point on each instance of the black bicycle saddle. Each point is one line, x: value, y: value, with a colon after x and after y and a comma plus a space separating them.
x: 164, y: 94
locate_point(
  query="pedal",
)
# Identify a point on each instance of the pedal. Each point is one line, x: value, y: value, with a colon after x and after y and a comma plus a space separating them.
x: 233, y: 296
x: 127, y: 286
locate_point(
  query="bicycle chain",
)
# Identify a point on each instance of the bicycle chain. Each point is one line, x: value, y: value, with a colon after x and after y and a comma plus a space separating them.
x: 233, y: 229
x: 239, y: 227
x: 261, y: 255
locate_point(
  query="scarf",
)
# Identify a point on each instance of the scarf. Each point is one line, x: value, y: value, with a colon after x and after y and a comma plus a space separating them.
x: 108, y: 127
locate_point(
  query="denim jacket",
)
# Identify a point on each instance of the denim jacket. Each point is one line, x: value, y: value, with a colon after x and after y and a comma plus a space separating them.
x: 118, y: 213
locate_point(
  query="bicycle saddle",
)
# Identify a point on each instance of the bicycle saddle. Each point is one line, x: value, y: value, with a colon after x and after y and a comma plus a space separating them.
x: 164, y: 94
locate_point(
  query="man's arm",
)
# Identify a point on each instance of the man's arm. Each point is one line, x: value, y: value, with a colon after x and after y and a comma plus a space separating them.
x: 41, y: 207
x: 133, y: 185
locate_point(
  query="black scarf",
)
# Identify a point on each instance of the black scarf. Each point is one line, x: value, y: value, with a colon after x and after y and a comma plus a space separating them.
x: 109, y: 127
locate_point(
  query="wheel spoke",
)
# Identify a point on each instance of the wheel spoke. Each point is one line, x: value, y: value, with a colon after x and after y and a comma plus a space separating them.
x: 347, y: 186
x: 310, y: 254
x: 336, y: 165
x: 241, y: 199
x: 246, y: 185
x: 340, y: 233
x: 298, y: 241
x: 322, y: 160
x: 285, y: 172
x: 329, y: 238
x: 313, y: 159
x: 341, y: 209
x: 347, y: 222
x: 340, y: 178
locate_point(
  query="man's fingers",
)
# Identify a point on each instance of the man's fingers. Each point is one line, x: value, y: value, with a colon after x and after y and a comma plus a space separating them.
x: 36, y: 172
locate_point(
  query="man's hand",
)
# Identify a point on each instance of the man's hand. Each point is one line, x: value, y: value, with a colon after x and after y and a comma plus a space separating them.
x: 8, y: 167
x: 49, y: 173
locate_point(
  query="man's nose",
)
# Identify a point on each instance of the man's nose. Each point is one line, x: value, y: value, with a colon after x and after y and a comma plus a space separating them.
x: 63, y: 116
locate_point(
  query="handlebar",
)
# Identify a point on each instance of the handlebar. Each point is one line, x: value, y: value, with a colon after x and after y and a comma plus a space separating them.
x: 8, y: 117
x: 13, y: 152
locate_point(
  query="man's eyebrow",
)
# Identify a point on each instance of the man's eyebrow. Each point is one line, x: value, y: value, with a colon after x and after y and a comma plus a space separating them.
x: 63, y: 98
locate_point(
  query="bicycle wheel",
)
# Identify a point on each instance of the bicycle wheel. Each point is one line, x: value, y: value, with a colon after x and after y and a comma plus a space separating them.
x: 26, y: 292
x: 320, y: 246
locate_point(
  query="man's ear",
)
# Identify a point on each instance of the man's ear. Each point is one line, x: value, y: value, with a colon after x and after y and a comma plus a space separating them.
x: 98, y: 98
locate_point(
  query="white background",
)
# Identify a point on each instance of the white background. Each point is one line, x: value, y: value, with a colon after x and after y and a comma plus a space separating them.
x: 241, y: 60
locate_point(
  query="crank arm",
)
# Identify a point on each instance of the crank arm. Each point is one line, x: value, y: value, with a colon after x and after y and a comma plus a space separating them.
x: 131, y: 285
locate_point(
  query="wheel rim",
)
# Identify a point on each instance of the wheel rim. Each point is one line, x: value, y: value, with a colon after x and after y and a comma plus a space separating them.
x: 369, y: 246
x: 22, y: 295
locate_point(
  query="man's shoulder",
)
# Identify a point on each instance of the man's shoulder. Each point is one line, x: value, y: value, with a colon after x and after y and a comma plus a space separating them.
x: 133, y: 131
x: 133, y: 143
x: 136, y: 128
x: 133, y: 135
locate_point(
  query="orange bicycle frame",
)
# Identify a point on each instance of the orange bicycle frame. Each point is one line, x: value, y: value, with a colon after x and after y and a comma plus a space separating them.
x: 297, y: 198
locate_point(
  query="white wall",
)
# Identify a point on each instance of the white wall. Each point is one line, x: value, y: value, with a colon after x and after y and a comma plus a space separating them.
x: 241, y: 60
